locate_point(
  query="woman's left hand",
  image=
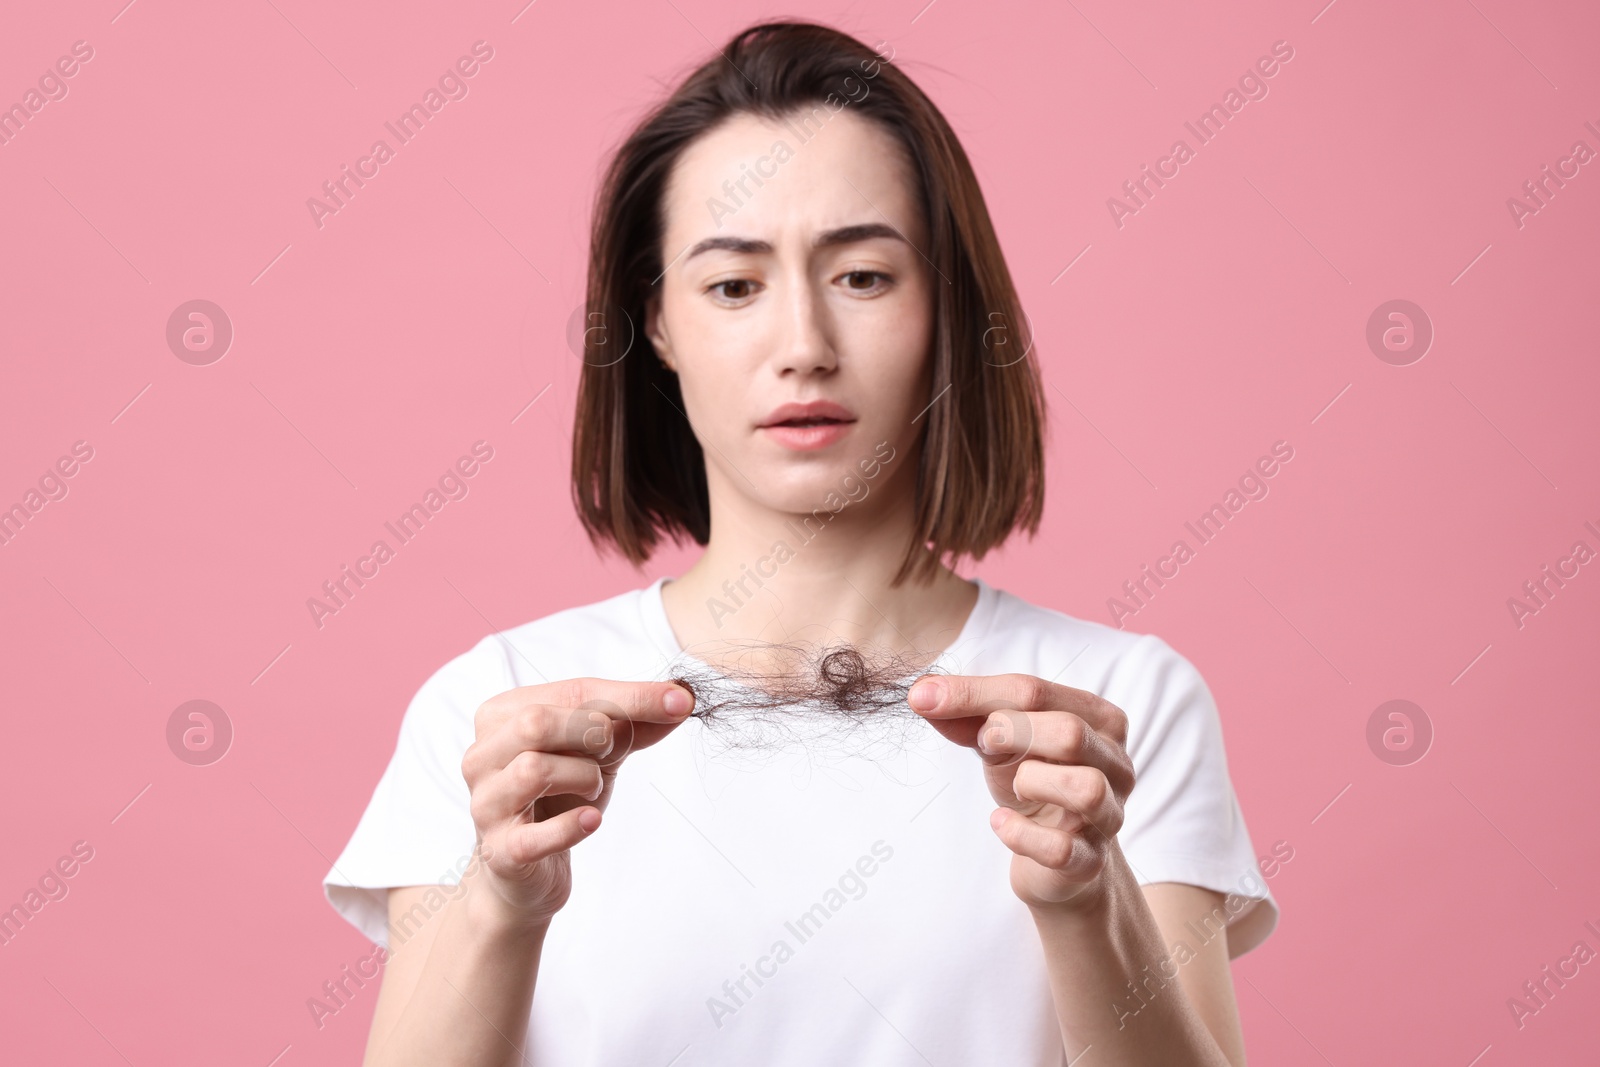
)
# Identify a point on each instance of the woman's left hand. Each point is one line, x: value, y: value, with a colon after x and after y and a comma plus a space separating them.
x: 1054, y: 760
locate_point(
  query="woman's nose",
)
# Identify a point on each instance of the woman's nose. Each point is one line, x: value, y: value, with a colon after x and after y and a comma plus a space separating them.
x: 806, y: 344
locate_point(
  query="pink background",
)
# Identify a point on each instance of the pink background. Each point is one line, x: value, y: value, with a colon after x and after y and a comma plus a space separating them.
x: 369, y: 354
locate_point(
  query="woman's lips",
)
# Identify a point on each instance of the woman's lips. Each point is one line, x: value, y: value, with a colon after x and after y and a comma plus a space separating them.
x: 808, y: 437
x: 805, y: 427
x: 810, y: 411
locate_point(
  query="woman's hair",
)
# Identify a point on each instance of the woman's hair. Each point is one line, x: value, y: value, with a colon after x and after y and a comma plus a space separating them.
x: 638, y: 471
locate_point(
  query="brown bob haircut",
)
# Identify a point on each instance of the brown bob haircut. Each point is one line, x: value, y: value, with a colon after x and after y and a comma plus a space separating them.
x: 638, y: 471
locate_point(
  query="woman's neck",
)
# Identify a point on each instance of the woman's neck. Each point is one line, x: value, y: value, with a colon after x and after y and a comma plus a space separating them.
x: 774, y: 586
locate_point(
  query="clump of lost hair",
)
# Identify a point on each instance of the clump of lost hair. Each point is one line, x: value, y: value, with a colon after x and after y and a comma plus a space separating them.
x: 769, y: 696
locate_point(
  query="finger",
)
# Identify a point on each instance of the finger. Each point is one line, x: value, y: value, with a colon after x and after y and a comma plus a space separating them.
x: 660, y: 702
x: 530, y: 777
x: 530, y: 842
x: 663, y: 702
x: 1046, y: 846
x: 1083, y: 794
x: 955, y: 696
x: 1059, y: 736
x: 540, y: 728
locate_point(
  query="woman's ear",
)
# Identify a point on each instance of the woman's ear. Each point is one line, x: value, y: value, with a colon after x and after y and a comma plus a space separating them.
x: 655, y: 329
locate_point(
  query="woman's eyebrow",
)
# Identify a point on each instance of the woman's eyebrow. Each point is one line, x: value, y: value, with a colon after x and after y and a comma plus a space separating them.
x: 864, y: 231
x: 844, y: 235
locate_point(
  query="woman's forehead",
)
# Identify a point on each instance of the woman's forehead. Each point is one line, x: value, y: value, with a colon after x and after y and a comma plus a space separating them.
x: 778, y: 180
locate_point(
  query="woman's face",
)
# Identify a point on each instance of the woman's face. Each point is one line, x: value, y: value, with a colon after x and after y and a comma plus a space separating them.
x: 807, y: 287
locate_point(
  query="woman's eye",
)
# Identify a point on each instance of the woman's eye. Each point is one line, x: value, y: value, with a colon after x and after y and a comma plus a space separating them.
x: 734, y: 288
x: 863, y: 281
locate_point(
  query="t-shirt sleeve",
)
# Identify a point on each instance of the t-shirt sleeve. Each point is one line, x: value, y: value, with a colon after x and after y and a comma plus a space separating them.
x: 417, y: 828
x: 1182, y: 822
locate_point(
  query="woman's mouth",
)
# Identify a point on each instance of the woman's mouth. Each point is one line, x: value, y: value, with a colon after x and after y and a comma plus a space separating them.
x: 819, y: 421
x: 804, y: 427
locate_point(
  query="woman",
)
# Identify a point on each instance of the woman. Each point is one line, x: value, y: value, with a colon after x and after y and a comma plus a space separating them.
x: 830, y: 390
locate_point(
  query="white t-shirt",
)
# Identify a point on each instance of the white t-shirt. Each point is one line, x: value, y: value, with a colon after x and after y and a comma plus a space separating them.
x: 805, y: 905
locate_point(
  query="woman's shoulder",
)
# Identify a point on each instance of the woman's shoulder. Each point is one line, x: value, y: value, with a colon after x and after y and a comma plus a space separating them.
x: 604, y: 639
x: 1151, y: 681
x: 1023, y: 628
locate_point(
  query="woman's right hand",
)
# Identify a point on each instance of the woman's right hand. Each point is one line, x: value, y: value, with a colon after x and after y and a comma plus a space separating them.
x: 541, y: 771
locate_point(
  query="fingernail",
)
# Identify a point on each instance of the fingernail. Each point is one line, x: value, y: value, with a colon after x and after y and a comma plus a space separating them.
x: 987, y: 739
x: 924, y: 696
x: 677, y: 701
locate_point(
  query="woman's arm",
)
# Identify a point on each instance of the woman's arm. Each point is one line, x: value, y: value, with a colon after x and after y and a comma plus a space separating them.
x: 1055, y: 761
x: 460, y: 987
x: 1205, y: 977
x: 1117, y: 990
